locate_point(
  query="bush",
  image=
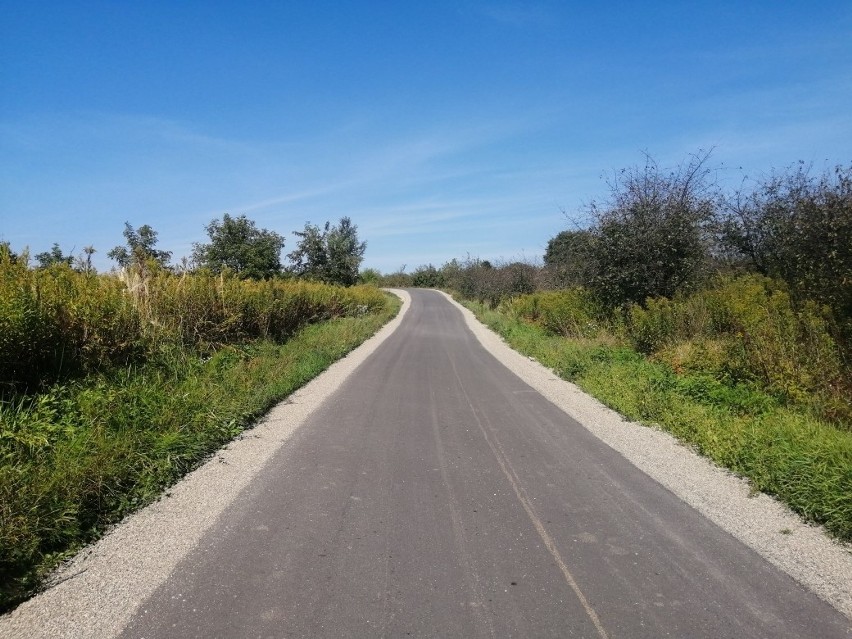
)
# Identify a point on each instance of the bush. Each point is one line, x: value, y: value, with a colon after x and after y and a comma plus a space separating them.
x: 486, y: 283
x: 568, y: 258
x: 650, y: 239
x: 747, y: 329
x: 427, y: 277
x: 55, y: 322
x: 399, y: 279
x: 169, y: 368
x: 744, y: 332
x: 784, y: 451
x: 798, y: 228
x: 570, y: 313
x: 370, y: 276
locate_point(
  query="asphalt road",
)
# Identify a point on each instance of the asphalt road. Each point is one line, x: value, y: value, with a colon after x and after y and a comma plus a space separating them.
x: 437, y: 495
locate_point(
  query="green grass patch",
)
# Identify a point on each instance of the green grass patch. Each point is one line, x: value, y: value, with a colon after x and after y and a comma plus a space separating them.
x: 784, y: 450
x: 81, y: 455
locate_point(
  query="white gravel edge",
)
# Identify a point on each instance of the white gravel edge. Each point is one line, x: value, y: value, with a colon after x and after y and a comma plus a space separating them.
x: 805, y: 552
x: 98, y: 592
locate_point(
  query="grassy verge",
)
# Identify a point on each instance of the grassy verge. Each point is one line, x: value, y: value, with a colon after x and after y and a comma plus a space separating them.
x: 83, y: 454
x: 784, y: 451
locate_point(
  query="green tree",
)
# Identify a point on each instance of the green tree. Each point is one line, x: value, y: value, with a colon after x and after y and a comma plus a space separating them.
x: 85, y: 263
x: 310, y: 257
x: 53, y: 256
x: 798, y: 227
x: 651, y: 239
x: 345, y: 252
x: 568, y: 257
x: 237, y: 244
x: 6, y: 252
x: 331, y: 254
x: 370, y: 276
x: 140, y: 248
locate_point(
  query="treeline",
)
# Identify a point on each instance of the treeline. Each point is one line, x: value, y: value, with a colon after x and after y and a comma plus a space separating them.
x: 330, y: 254
x: 662, y: 233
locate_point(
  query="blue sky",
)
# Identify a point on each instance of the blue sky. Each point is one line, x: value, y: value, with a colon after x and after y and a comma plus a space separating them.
x: 441, y: 128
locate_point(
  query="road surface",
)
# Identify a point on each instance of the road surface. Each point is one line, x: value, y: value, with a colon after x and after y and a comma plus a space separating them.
x: 437, y: 495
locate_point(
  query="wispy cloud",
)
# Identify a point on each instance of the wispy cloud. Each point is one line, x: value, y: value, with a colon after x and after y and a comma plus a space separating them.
x: 42, y: 131
x: 382, y: 168
x: 293, y: 197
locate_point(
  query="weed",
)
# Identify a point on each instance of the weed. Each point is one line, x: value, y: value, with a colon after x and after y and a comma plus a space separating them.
x: 744, y: 332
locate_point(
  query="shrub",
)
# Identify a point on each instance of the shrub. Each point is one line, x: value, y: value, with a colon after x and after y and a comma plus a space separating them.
x: 747, y: 329
x: 168, y: 367
x: 650, y: 239
x: 56, y: 322
x: 486, y: 283
x: 803, y: 460
x: 427, y: 276
x: 568, y: 258
x: 798, y: 228
x: 570, y: 313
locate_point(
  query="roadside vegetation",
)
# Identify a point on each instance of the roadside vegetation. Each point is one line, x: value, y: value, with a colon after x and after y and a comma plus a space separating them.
x: 113, y: 386
x: 724, y: 318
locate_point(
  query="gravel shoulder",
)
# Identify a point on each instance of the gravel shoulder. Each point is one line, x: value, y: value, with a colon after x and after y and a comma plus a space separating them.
x: 97, y: 592
x: 803, y: 551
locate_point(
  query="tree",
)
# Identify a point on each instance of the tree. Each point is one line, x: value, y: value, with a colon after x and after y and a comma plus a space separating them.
x: 370, y: 276
x: 331, y: 254
x: 6, y: 252
x: 85, y: 263
x: 345, y: 252
x: 140, y: 248
x: 237, y: 244
x: 53, y: 256
x: 798, y: 228
x: 652, y: 238
x: 427, y: 276
x: 568, y: 257
x: 310, y: 258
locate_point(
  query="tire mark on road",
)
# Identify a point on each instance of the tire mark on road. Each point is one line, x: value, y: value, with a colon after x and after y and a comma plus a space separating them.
x: 520, y: 493
x: 480, y: 610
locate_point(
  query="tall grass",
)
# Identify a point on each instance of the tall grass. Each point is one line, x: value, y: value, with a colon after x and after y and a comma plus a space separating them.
x: 738, y: 331
x: 135, y: 382
x: 57, y: 323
